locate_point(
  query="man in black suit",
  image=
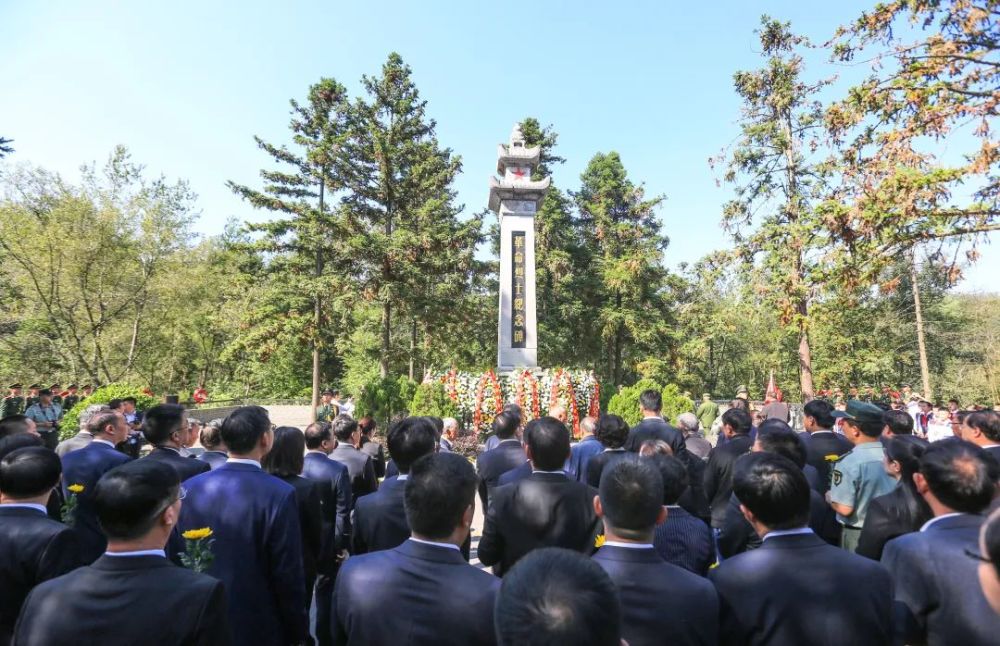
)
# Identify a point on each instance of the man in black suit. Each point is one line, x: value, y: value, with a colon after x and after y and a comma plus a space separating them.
x: 982, y: 428
x: 33, y: 547
x: 612, y: 433
x: 132, y: 594
x: 653, y: 426
x: 937, y: 598
x: 823, y: 446
x: 335, y: 497
x: 359, y: 464
x: 796, y: 589
x: 396, y: 595
x: 547, y: 509
x: 507, y: 454
x: 380, y: 517
x: 166, y: 427
x: 211, y: 440
x: 661, y: 603
x: 557, y: 596
x: 683, y: 539
x: 718, y: 481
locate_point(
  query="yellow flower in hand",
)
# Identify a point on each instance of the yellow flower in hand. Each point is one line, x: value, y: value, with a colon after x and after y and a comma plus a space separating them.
x: 599, y: 541
x: 76, y: 488
x: 197, y: 534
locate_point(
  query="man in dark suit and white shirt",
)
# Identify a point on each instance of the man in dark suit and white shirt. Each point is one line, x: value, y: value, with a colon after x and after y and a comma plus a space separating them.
x: 335, y: 497
x: 380, y: 517
x: 982, y: 428
x: 84, y: 467
x: 508, y: 454
x: 823, y: 446
x: 132, y: 594
x: 359, y: 464
x: 937, y: 598
x: 653, y: 426
x: 33, y: 547
x: 166, y: 427
x: 258, y: 538
x: 396, y: 595
x: 718, y: 481
x: 661, y: 603
x: 795, y: 589
x: 683, y: 539
x: 548, y: 509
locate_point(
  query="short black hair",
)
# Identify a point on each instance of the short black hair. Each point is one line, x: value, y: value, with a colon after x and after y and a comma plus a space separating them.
x: 129, y: 498
x: 317, y: 433
x: 557, y: 596
x: 631, y: 494
x: 410, y: 439
x: 243, y: 428
x: 738, y: 419
x: 161, y: 421
x: 773, y: 488
x: 367, y: 426
x: 29, y: 472
x: 986, y: 422
x: 674, y: 475
x: 548, y: 439
x: 19, y: 441
x: 612, y: 431
x: 898, y: 421
x: 130, y: 400
x: 439, y: 489
x: 651, y: 400
x: 819, y: 410
x: 115, y: 404
x: 959, y: 474
x: 505, y: 424
x: 210, y: 436
x: 344, y: 427
x: 287, y: 455
x: 868, y: 428
x: 776, y: 436
x: 12, y: 425
x: 437, y: 423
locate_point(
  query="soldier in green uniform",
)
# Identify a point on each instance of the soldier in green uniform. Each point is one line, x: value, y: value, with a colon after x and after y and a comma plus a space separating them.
x: 327, y: 410
x: 56, y: 390
x: 12, y: 404
x: 32, y: 398
x: 859, y: 475
x: 88, y: 390
x: 71, y: 398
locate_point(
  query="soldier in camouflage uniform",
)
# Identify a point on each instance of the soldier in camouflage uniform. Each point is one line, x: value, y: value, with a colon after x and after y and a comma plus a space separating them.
x: 12, y: 404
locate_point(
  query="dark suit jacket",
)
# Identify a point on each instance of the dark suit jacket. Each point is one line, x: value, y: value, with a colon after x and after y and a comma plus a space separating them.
x: 819, y: 446
x: 380, y: 518
x: 395, y: 596
x: 544, y: 510
x: 361, y: 468
x: 738, y: 535
x: 126, y: 600
x: 685, y: 541
x: 515, y: 474
x: 694, y: 499
x: 33, y: 548
x: 307, y: 497
x: 492, y: 464
x: 886, y: 519
x: 377, y: 453
x: 719, y: 475
x: 258, y: 550
x: 86, y: 466
x: 185, y: 467
x: 800, y: 590
x: 335, y: 497
x: 602, y: 461
x: 215, y: 459
x: 580, y: 454
x: 661, y: 603
x: 655, y: 428
x: 938, y: 597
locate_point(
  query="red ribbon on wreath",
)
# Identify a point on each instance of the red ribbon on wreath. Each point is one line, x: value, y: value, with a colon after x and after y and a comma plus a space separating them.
x: 594, y: 409
x: 491, y: 378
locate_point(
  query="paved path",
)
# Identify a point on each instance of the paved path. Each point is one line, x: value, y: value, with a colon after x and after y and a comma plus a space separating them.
x: 298, y: 416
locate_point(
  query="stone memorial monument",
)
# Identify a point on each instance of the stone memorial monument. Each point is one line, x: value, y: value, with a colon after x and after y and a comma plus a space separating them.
x: 515, y: 198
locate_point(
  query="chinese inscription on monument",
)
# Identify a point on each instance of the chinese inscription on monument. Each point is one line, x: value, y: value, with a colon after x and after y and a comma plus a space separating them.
x: 518, y: 310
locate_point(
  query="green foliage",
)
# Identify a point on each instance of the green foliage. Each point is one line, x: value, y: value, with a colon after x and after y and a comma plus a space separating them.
x: 71, y: 421
x: 381, y: 400
x: 625, y: 403
x: 675, y: 403
x: 432, y: 400
x: 406, y: 388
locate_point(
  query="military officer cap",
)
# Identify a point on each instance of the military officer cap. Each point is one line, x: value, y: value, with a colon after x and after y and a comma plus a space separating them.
x: 861, y: 412
x: 13, y: 386
x: 54, y: 387
x: 44, y: 391
x: 34, y: 386
x: 71, y: 387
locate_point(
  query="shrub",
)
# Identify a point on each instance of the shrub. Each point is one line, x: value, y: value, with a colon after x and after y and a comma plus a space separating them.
x: 431, y: 400
x: 625, y: 403
x: 71, y: 421
x: 380, y: 399
x: 675, y: 403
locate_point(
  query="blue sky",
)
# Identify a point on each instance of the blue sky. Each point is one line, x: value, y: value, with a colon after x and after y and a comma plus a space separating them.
x: 186, y: 84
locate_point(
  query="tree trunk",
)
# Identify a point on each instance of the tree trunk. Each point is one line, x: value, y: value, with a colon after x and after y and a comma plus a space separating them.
x: 925, y: 373
x: 805, y: 356
x: 617, y: 371
x: 318, y: 305
x: 413, y: 346
x: 383, y: 359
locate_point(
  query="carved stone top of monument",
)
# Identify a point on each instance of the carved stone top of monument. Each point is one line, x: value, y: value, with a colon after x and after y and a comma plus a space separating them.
x: 515, y: 163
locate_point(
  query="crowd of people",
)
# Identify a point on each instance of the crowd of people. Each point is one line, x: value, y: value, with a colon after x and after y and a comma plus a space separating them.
x: 854, y: 531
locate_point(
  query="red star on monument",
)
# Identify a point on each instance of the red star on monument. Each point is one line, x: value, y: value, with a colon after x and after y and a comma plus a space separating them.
x: 518, y: 173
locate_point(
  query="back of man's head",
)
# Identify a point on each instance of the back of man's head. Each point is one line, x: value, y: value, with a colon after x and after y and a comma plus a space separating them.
x: 101, y: 420
x: 557, y: 596
x: 773, y: 489
x: 612, y: 431
x: 243, y: 428
x: 161, y: 421
x: 19, y: 441
x: 651, y: 400
x: 588, y: 425
x: 439, y: 490
x: 631, y: 493
x: 29, y: 472
x: 344, y: 427
x: 959, y: 474
x: 12, y: 425
x: 548, y: 441
x: 820, y: 410
x: 674, y: 475
x: 409, y: 439
x: 89, y: 412
x: 898, y: 421
x: 776, y: 436
x: 737, y: 419
x: 687, y: 422
x: 317, y: 433
x: 505, y: 424
x: 130, y: 498
x: 211, y: 435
